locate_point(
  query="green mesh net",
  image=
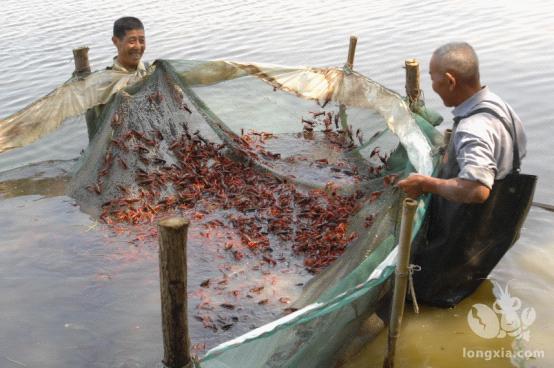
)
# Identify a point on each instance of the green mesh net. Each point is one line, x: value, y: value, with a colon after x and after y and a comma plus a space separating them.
x: 319, y: 150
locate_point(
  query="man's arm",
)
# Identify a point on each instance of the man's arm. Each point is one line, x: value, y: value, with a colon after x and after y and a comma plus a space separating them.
x: 456, y: 189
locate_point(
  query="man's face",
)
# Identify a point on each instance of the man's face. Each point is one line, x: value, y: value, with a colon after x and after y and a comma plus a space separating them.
x: 442, y: 84
x: 130, y: 48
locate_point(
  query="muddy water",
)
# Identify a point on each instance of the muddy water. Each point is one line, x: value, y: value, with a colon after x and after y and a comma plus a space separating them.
x: 74, y: 295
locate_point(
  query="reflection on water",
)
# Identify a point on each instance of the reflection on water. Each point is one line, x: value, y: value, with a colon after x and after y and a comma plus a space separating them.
x: 47, y: 179
x: 61, y: 274
x: 77, y: 295
x: 75, y: 290
x: 451, y: 341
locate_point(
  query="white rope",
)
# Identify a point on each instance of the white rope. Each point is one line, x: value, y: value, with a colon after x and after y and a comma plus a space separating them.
x: 413, y: 268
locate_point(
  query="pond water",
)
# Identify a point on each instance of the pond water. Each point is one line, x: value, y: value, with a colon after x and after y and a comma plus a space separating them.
x: 76, y: 295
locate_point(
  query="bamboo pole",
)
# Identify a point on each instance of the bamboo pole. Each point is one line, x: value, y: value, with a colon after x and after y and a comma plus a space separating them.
x: 82, y: 66
x: 413, y: 90
x: 351, y: 51
x: 544, y: 206
x: 447, y: 136
x: 350, y: 65
x: 173, y: 288
x: 400, y: 279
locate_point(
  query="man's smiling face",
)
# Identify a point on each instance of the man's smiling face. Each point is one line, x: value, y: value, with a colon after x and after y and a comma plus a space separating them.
x: 131, y: 48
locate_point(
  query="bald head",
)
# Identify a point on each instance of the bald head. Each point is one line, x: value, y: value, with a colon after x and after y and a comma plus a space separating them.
x: 454, y: 71
x: 459, y: 59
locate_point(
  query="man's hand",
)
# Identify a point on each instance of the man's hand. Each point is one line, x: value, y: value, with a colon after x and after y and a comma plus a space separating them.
x: 455, y: 189
x: 413, y: 185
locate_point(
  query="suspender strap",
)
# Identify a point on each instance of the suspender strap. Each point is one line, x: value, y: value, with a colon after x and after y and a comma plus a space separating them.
x: 516, y: 163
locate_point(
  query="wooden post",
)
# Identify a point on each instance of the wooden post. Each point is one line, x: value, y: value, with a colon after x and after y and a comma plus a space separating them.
x: 173, y: 287
x: 350, y: 65
x: 400, y: 279
x: 351, y: 51
x: 413, y: 90
x: 82, y: 66
x: 544, y: 206
x: 447, y: 136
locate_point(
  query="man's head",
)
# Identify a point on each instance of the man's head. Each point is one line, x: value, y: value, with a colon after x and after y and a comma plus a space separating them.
x: 128, y: 37
x: 454, y: 70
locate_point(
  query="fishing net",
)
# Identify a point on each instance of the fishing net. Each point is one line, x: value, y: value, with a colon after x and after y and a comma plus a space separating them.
x: 294, y: 163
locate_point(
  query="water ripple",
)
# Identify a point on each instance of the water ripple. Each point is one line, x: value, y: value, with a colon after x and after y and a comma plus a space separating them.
x: 513, y: 40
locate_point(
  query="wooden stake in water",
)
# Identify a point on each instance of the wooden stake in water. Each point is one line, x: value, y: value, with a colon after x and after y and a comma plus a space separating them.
x: 447, y: 136
x: 400, y: 279
x: 350, y: 65
x: 82, y: 66
x: 413, y: 90
x: 351, y: 51
x: 173, y: 287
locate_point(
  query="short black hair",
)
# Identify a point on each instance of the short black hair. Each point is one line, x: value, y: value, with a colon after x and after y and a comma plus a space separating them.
x: 124, y: 24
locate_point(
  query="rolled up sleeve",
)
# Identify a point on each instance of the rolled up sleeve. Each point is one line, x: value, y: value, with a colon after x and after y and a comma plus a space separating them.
x: 475, y: 156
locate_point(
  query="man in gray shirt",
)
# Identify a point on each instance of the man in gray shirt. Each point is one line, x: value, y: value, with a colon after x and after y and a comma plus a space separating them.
x: 130, y: 42
x: 479, y: 200
x: 482, y: 144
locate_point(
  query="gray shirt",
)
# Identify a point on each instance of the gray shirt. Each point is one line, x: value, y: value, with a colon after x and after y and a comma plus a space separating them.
x: 483, y: 146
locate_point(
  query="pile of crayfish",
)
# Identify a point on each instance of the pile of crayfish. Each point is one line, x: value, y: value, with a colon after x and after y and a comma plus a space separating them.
x: 235, y: 205
x: 204, y: 179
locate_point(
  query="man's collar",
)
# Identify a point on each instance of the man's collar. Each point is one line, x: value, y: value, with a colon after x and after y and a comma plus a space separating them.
x: 120, y: 68
x: 465, y: 107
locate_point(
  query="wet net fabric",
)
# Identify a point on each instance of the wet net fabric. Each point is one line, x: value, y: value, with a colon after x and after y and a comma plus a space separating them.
x: 70, y: 99
x: 316, y: 139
